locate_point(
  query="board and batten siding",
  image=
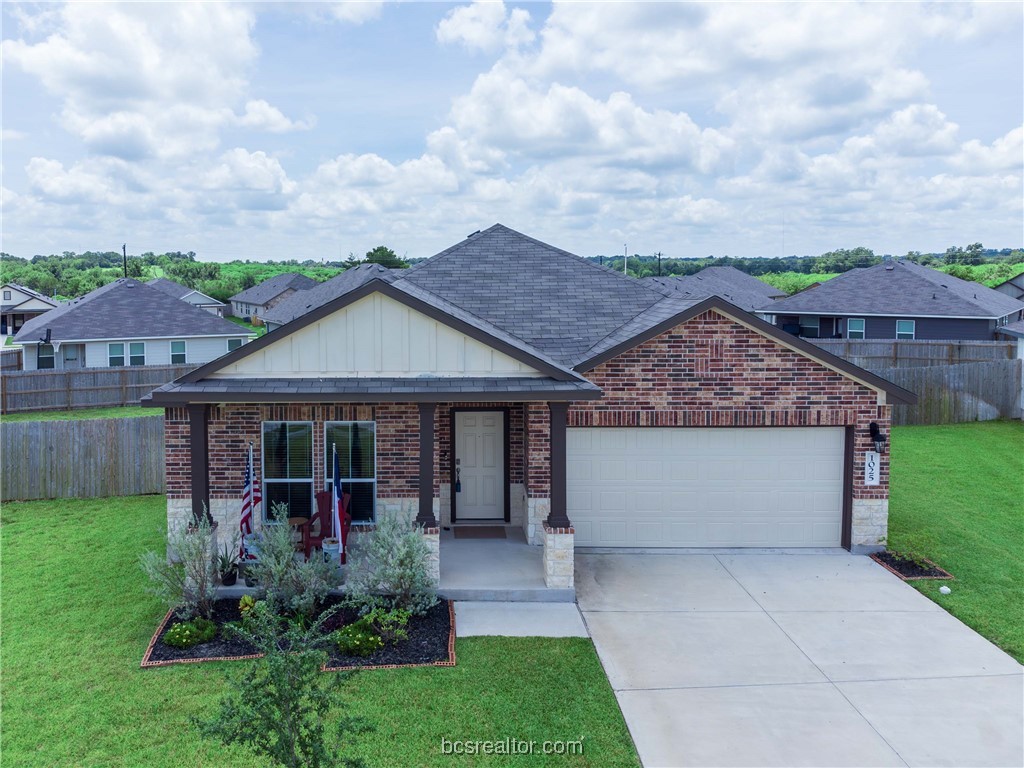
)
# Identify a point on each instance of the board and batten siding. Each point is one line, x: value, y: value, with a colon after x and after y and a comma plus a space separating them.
x: 376, y: 336
x: 158, y: 351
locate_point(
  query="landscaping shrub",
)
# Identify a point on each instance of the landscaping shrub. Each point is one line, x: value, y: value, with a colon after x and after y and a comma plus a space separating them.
x: 390, y: 626
x: 246, y: 604
x: 189, y: 586
x: 390, y: 567
x: 185, y: 634
x: 295, y: 588
x: 358, y: 639
x: 279, y: 706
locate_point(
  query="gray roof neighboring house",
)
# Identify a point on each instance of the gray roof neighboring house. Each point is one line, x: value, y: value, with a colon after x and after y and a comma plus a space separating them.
x: 29, y: 292
x: 273, y: 287
x: 739, y: 288
x: 126, y: 309
x: 307, y: 300
x: 179, y: 291
x: 897, y: 288
x: 1014, y: 287
x: 1013, y: 329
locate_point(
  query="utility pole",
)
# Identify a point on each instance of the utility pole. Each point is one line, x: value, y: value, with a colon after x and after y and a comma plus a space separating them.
x: 124, y: 255
x: 625, y: 259
x: 659, y: 263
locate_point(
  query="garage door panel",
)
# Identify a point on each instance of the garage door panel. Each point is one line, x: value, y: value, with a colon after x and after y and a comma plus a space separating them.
x: 691, y: 487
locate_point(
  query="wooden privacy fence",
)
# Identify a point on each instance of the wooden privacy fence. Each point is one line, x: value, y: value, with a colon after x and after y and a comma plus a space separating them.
x: 81, y: 459
x: 10, y: 359
x: 949, y: 394
x: 84, y: 388
x: 892, y: 353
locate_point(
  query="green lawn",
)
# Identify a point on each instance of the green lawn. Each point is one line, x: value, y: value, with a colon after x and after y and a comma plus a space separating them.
x: 119, y: 412
x: 76, y: 623
x: 957, y: 498
x: 259, y: 330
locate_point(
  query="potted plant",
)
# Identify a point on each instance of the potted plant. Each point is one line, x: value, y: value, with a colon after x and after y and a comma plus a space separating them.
x: 227, y: 567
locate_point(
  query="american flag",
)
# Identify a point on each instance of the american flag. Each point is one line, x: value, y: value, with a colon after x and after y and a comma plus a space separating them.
x: 250, y: 498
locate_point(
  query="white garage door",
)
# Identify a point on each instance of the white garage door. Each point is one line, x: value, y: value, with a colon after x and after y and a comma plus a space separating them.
x: 689, y: 487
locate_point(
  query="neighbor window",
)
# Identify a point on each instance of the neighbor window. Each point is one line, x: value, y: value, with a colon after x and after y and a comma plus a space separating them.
x: 288, y: 467
x: 905, y: 329
x: 178, y: 356
x: 137, y: 353
x: 115, y: 355
x: 234, y: 344
x: 809, y: 327
x: 356, y: 442
x: 7, y: 295
x: 44, y: 357
x: 855, y: 328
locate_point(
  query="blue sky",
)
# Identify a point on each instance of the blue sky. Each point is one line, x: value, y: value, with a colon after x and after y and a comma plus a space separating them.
x: 274, y: 130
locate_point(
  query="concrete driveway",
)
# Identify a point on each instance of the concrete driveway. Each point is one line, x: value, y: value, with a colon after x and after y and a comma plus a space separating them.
x: 795, y: 660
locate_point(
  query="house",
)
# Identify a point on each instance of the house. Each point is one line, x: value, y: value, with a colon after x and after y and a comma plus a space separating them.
x: 505, y: 381
x: 258, y: 300
x: 183, y: 292
x: 738, y: 288
x: 19, y: 305
x: 126, y: 323
x: 895, y: 300
x: 1014, y: 287
x: 301, y: 302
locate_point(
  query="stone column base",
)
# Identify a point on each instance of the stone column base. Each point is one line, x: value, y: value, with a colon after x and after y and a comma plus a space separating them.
x: 433, y: 538
x: 870, y: 523
x: 537, y: 511
x: 558, y: 557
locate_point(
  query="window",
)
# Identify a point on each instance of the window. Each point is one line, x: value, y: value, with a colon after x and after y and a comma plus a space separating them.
x: 809, y: 327
x: 288, y: 467
x: 178, y: 355
x: 356, y: 442
x: 44, y: 356
x: 905, y: 329
x: 855, y: 328
x: 137, y: 353
x: 115, y: 355
x: 7, y: 295
x: 234, y: 344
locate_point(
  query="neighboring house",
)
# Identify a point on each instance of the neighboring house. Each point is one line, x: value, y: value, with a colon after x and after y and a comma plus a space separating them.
x: 258, y: 300
x: 1014, y: 287
x: 183, y: 292
x: 19, y: 305
x: 736, y: 287
x: 895, y: 300
x: 302, y: 302
x: 507, y: 381
x: 126, y: 323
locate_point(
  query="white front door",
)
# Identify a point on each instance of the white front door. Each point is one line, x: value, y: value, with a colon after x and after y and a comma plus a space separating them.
x: 480, y: 465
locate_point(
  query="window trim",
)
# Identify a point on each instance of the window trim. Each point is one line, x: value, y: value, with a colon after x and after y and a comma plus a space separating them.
x: 913, y: 330
x: 816, y: 326
x: 132, y: 355
x: 52, y: 357
x: 265, y: 507
x: 862, y: 331
x: 111, y: 356
x: 329, y: 466
x: 184, y: 354
x: 7, y: 296
x: 241, y: 342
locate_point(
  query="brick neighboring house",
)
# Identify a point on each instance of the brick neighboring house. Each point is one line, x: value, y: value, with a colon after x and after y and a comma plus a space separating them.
x: 895, y: 300
x: 257, y: 301
x: 506, y: 381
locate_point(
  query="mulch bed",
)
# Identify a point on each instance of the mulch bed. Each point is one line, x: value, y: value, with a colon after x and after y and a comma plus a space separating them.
x: 907, y: 568
x: 431, y: 642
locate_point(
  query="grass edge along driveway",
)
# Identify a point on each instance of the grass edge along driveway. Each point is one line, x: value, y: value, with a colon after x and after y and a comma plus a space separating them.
x: 76, y: 623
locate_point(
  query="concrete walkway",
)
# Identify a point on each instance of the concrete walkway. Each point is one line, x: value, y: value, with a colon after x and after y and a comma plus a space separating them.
x: 795, y: 660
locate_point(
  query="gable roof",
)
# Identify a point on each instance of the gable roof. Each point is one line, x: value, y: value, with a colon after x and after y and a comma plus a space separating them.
x: 554, y: 301
x: 28, y: 292
x: 273, y: 287
x: 898, y: 288
x: 126, y: 309
x: 305, y: 301
x: 179, y: 291
x: 739, y: 288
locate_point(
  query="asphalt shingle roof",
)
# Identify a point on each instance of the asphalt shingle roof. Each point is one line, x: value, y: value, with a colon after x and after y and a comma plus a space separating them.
x: 739, y: 288
x: 1013, y: 329
x: 554, y: 301
x: 274, y: 287
x: 30, y: 292
x: 126, y: 309
x: 904, y: 289
x: 177, y: 290
x: 307, y: 300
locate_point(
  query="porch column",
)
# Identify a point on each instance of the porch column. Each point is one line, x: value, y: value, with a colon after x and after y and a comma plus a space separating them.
x: 425, y: 515
x: 557, y: 517
x: 198, y: 415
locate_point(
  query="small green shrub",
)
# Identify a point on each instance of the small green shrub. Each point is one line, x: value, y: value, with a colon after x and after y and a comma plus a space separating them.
x: 246, y: 604
x: 390, y: 626
x: 185, y: 634
x: 390, y: 567
x: 358, y: 639
x: 189, y: 586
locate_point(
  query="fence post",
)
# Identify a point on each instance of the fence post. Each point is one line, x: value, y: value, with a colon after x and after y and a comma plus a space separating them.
x: 3, y: 394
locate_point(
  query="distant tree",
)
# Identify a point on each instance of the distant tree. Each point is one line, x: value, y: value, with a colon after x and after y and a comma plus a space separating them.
x: 385, y: 257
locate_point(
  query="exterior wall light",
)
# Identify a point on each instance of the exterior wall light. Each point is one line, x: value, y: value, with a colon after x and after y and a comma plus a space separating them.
x: 876, y: 436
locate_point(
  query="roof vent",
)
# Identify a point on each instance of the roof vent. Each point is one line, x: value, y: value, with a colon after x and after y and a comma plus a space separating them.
x: 890, y: 265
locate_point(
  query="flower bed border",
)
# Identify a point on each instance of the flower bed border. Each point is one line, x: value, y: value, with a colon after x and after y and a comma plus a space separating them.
x: 948, y: 576
x: 146, y: 663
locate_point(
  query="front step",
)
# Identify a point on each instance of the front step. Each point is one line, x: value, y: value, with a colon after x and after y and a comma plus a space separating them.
x: 526, y: 595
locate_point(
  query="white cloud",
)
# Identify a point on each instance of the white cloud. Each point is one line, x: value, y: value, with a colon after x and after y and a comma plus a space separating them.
x: 485, y: 26
x: 265, y: 117
x: 356, y: 11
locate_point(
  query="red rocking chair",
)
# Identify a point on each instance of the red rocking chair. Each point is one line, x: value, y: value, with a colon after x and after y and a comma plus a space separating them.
x: 321, y: 524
